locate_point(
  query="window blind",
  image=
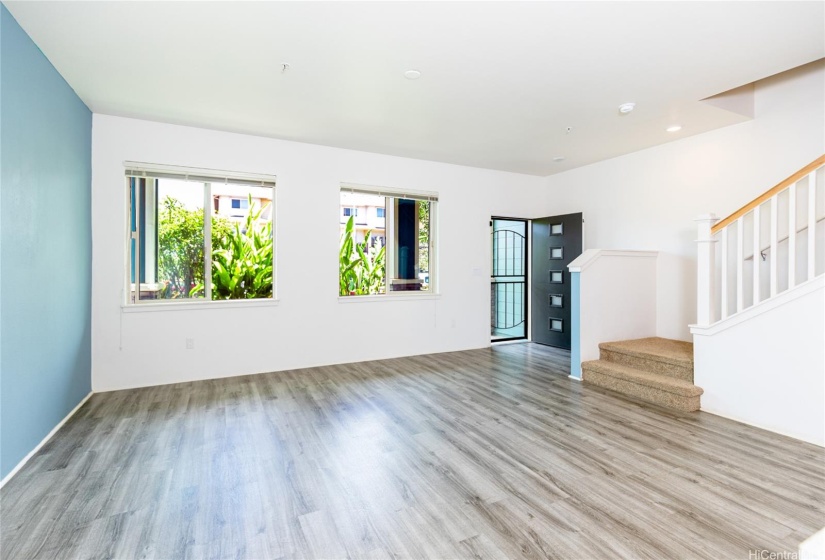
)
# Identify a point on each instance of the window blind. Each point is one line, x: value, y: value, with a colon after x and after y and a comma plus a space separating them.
x: 151, y: 171
x: 391, y: 193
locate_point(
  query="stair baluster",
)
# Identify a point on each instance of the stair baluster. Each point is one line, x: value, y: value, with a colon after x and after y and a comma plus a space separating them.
x: 781, y: 248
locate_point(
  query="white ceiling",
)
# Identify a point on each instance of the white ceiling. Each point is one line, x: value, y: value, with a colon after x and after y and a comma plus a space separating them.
x: 500, y: 81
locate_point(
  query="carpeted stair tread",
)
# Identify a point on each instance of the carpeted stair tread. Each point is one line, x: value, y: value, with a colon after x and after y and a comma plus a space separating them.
x: 676, y: 352
x: 658, y: 381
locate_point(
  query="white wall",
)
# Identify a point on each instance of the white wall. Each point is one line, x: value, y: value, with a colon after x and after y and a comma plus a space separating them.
x: 617, y: 300
x: 648, y: 200
x: 768, y: 370
x: 309, y: 326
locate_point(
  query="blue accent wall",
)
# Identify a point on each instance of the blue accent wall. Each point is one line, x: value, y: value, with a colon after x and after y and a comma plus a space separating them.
x: 45, y: 245
x: 575, y: 325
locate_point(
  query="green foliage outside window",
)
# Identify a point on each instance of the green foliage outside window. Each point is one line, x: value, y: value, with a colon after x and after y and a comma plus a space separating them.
x: 242, y: 260
x: 242, y: 254
x: 424, y: 236
x: 180, y: 248
x: 361, y: 268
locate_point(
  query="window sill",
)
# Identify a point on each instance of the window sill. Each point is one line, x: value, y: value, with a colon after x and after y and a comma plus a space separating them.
x: 389, y: 297
x: 195, y: 305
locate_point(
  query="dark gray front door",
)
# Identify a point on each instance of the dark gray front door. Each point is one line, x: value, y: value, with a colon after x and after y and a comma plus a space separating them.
x: 557, y: 240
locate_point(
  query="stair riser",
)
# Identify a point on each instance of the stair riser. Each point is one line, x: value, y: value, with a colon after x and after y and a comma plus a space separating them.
x: 647, y: 364
x: 641, y: 392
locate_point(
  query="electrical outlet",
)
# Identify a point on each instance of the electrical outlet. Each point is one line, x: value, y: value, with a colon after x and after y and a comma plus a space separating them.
x: 190, y: 343
x: 452, y: 324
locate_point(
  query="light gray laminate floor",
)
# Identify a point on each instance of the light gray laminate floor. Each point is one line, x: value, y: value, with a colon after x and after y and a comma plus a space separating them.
x: 488, y: 453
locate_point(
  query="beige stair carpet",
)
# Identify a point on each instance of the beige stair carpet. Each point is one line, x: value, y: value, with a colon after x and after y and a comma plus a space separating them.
x: 655, y: 370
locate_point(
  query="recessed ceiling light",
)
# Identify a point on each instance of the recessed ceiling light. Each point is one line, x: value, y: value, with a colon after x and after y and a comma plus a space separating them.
x: 412, y: 74
x: 625, y: 108
x: 557, y: 159
x: 674, y: 128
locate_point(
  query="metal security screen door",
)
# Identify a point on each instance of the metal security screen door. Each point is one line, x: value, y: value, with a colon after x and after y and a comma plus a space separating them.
x: 508, y: 281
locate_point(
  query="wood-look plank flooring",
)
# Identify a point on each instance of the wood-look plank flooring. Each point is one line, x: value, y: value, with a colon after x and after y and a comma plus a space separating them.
x: 491, y: 453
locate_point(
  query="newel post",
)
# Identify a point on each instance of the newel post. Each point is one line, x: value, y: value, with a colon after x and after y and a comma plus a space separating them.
x: 706, y: 263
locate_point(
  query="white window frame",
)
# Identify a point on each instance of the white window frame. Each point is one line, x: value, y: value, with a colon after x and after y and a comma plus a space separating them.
x: 389, y: 237
x: 206, y: 177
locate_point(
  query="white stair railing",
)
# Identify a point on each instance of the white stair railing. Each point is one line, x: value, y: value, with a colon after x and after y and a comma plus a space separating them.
x: 766, y: 247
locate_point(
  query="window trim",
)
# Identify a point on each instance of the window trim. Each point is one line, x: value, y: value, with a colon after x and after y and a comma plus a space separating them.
x: 151, y: 306
x: 396, y: 296
x: 206, y: 177
x: 434, y: 291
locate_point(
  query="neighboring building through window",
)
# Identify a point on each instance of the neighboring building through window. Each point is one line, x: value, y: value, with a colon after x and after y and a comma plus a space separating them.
x: 392, y: 248
x: 205, y: 238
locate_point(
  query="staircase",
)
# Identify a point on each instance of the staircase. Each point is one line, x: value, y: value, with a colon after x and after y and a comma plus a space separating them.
x: 759, y: 321
x: 654, y: 370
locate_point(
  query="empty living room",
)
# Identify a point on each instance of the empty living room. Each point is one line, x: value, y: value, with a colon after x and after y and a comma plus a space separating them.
x: 413, y: 280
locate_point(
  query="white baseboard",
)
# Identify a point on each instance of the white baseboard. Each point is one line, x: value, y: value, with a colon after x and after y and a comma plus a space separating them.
x: 574, y: 378
x: 45, y: 439
x: 761, y: 426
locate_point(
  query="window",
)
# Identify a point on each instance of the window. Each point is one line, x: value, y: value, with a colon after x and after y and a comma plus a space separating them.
x: 186, y: 240
x: 395, y: 252
x: 350, y: 212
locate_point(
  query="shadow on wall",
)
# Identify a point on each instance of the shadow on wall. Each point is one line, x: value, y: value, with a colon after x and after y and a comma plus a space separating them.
x: 676, y: 296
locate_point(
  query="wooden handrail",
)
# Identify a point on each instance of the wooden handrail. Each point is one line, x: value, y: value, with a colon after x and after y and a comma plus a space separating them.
x: 815, y: 164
